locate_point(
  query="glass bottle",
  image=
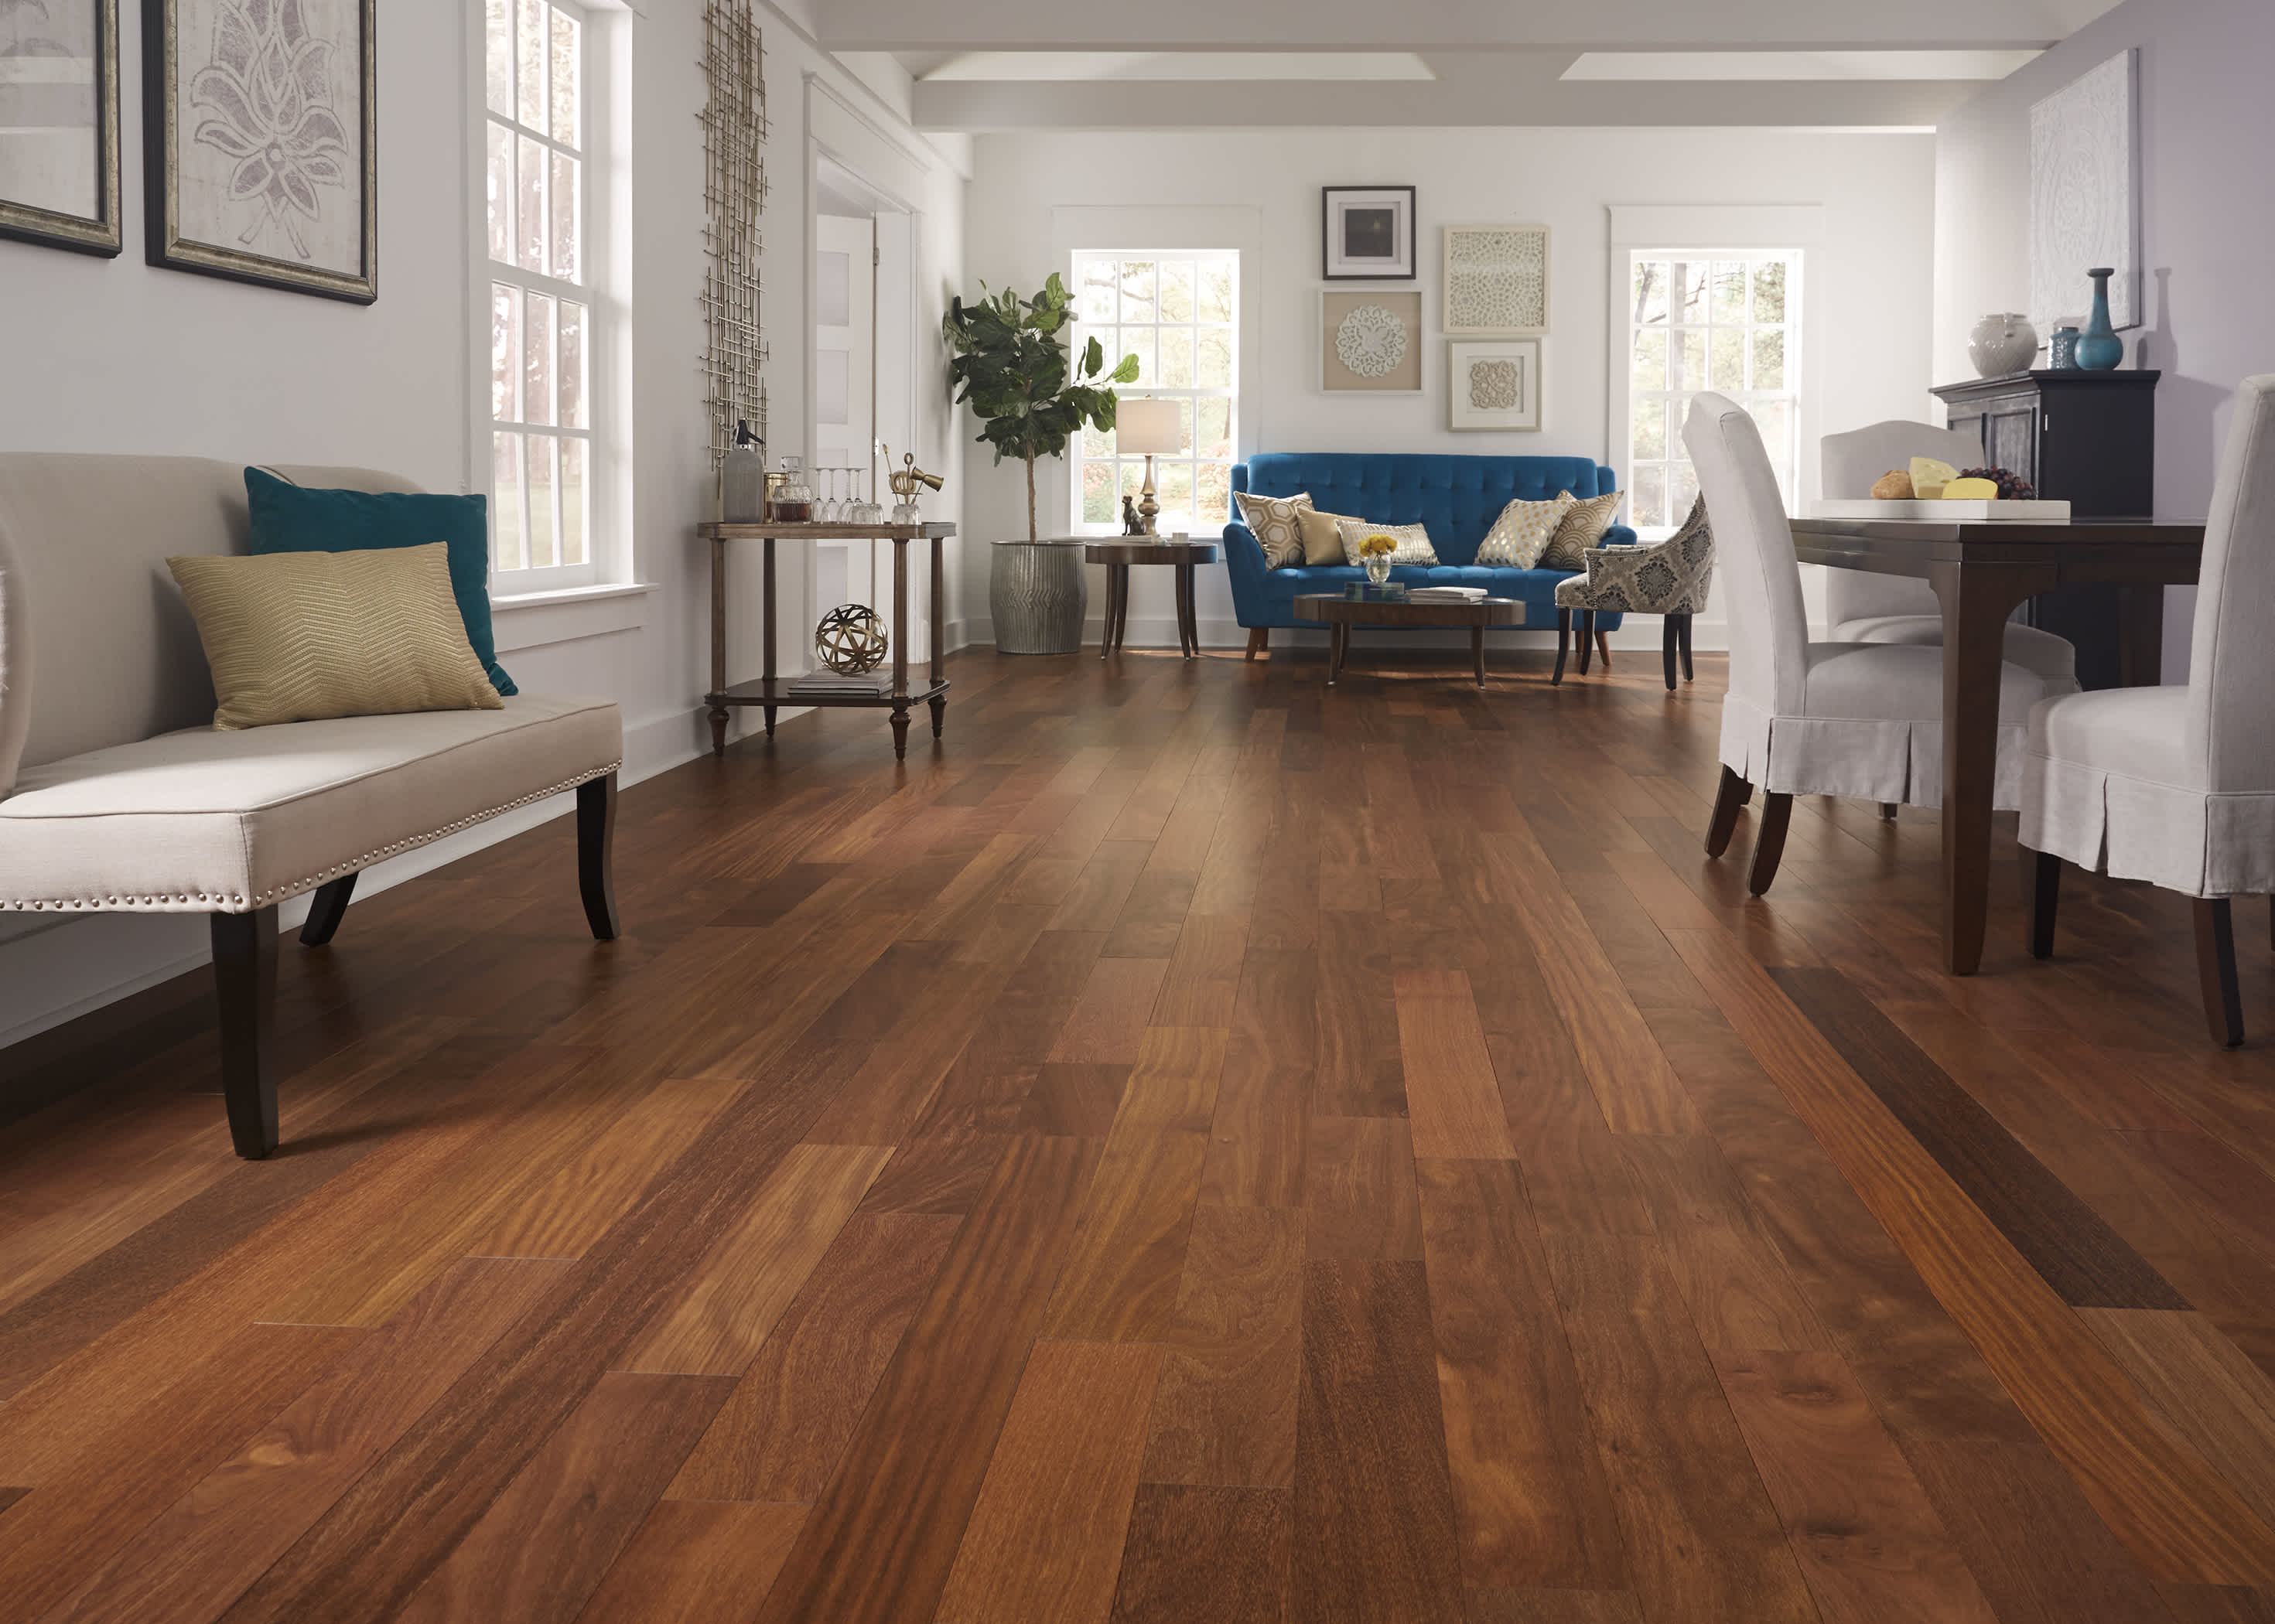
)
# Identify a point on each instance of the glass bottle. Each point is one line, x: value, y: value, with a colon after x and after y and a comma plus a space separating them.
x: 794, y: 498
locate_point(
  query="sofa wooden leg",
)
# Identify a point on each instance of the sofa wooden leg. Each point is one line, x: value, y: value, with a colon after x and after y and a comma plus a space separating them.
x: 245, y: 987
x: 1670, y: 642
x: 1733, y: 793
x: 2041, y: 895
x: 1603, y: 646
x: 2223, y: 995
x: 1259, y: 642
x: 326, y: 912
x: 1769, y: 841
x: 1564, y: 637
x: 596, y: 839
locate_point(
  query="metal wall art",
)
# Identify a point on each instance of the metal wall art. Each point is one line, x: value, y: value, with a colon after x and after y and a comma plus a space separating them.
x: 262, y: 129
x: 733, y: 196
x: 59, y: 122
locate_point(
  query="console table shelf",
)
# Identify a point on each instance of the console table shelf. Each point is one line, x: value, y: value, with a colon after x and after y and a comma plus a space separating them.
x: 769, y: 692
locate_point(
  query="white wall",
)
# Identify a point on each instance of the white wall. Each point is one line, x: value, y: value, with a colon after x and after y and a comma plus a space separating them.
x: 2207, y: 128
x: 1868, y: 281
x: 117, y: 356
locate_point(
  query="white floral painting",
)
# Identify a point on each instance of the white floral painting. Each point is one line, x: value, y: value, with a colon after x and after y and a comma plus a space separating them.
x: 1496, y: 279
x: 59, y: 122
x: 268, y: 141
x: 2085, y: 204
x: 1370, y: 343
x: 1495, y: 384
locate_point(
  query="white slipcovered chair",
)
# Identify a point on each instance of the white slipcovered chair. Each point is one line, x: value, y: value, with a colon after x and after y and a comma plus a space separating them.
x: 1860, y: 606
x: 2176, y: 785
x: 1863, y: 720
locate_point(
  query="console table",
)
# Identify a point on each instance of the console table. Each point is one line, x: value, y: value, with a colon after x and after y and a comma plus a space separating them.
x: 770, y: 692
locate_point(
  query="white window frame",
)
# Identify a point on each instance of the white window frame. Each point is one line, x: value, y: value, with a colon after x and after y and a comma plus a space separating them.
x: 1146, y: 388
x: 604, y: 289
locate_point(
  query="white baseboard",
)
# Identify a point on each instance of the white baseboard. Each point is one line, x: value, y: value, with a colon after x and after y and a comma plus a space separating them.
x: 1637, y: 631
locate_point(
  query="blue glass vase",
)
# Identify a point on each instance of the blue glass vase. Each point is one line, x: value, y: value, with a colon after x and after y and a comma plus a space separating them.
x: 2099, y: 348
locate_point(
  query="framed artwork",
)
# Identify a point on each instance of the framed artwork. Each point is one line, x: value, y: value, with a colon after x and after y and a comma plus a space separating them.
x: 1370, y: 344
x: 59, y: 122
x: 262, y: 140
x: 1367, y: 234
x: 2085, y: 195
x: 1495, y: 383
x: 1496, y: 279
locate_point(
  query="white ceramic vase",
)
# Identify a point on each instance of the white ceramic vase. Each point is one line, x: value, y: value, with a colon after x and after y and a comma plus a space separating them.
x: 2003, y: 343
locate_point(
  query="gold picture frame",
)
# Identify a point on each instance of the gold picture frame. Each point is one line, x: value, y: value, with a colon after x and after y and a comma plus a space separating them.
x: 76, y: 43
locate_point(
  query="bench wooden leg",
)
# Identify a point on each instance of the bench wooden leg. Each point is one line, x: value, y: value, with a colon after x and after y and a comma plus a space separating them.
x: 1259, y: 642
x: 245, y: 986
x: 596, y: 839
x: 326, y: 912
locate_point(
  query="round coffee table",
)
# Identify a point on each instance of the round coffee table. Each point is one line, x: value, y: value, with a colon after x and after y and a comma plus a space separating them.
x: 1117, y: 556
x: 1339, y: 615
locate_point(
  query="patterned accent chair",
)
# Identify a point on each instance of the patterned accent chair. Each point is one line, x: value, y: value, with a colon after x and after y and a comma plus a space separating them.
x: 1671, y: 580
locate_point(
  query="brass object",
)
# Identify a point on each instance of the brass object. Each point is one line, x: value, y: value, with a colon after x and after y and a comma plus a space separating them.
x: 906, y: 484
x: 1132, y: 524
x: 1148, y: 509
x: 851, y: 639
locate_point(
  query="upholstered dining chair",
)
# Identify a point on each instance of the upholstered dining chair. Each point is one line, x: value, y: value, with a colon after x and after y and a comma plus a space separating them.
x: 1801, y: 718
x: 2176, y: 785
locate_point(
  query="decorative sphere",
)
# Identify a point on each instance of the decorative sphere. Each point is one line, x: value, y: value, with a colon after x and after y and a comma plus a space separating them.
x: 851, y: 639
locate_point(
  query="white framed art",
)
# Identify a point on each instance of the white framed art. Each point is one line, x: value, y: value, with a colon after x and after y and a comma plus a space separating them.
x: 1495, y: 383
x: 1496, y: 279
x: 2085, y: 195
x: 1370, y: 344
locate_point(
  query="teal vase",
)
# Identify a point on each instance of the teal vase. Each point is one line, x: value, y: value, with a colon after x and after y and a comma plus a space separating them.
x: 2099, y: 348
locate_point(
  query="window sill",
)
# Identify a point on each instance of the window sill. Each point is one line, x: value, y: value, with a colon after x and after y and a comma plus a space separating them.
x: 532, y: 620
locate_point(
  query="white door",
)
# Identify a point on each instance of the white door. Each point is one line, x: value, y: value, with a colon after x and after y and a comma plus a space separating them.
x: 844, y: 399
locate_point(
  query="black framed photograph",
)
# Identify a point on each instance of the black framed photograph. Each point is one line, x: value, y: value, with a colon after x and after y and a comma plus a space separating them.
x: 262, y: 134
x: 59, y: 123
x: 1368, y: 233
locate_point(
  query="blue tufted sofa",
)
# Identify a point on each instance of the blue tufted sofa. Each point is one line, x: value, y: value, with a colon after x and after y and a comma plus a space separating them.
x: 1457, y: 497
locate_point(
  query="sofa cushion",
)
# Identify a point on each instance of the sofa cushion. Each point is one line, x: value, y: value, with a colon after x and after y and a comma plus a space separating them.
x: 1522, y: 531
x: 1582, y: 527
x: 201, y: 821
x: 1457, y: 497
x: 1413, y: 541
x: 1323, y: 537
x: 1275, y: 520
x: 287, y: 518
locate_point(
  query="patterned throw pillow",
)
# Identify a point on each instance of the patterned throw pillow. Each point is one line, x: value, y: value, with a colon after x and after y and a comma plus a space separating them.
x: 1323, y: 539
x: 1273, y: 520
x: 1413, y: 541
x: 1522, y: 533
x: 1583, y: 525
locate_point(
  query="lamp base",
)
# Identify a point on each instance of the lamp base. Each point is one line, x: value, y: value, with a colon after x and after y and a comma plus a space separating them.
x: 1148, y: 509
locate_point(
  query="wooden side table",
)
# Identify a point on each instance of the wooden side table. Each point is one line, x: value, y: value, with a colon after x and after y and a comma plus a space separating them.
x: 1339, y: 615
x: 770, y: 692
x: 1118, y: 557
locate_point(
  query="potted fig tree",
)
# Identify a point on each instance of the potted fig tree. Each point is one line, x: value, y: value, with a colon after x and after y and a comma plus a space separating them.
x: 1010, y: 363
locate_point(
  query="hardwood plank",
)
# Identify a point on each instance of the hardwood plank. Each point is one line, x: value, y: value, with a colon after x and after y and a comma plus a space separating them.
x: 782, y: 1433
x: 1375, y: 1533
x: 1110, y: 1020
x: 2205, y: 1603
x: 201, y: 1554
x: 1256, y: 1140
x: 2203, y: 1387
x: 1044, y: 1543
x: 744, y: 1282
x: 1119, y: 1282
x: 1359, y: 1072
x: 543, y: 1548
x: 882, y: 1537
x: 1869, y: 1541
x: 1453, y: 1100
x: 1359, y: 1197
x: 697, y: 1562
x: 1224, y: 1412
x: 1207, y: 1555
x: 1554, y: 1608
x: 1203, y: 974
x: 1535, y: 1509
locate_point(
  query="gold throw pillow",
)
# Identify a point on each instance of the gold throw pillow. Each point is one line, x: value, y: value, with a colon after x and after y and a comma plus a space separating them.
x: 300, y: 637
x: 1323, y: 537
x: 1582, y: 525
x: 1273, y: 521
x: 1413, y: 541
x: 1522, y: 533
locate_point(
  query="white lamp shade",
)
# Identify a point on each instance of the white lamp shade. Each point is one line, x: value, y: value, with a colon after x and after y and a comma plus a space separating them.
x: 1148, y: 427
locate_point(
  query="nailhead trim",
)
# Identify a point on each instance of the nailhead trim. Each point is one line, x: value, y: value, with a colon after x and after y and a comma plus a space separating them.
x: 237, y: 902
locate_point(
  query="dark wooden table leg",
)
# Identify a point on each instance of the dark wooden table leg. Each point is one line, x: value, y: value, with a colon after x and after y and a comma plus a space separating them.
x: 768, y: 639
x: 1189, y: 635
x: 2141, y: 636
x: 936, y: 637
x: 718, y: 646
x: 900, y: 649
x: 1117, y: 586
x: 1977, y: 600
x: 1477, y: 651
x: 939, y: 703
x: 1338, y: 634
x: 244, y: 985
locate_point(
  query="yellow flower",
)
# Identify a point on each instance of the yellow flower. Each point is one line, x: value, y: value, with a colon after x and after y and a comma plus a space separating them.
x: 1376, y: 544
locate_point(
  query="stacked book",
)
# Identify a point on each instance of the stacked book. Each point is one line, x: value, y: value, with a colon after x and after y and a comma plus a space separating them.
x: 1367, y: 591
x: 832, y: 683
x: 1446, y: 594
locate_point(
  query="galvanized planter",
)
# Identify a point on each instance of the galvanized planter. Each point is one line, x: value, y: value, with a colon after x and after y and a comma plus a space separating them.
x: 1038, y: 594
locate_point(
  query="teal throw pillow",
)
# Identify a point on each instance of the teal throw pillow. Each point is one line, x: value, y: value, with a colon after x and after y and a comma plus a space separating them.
x: 288, y: 518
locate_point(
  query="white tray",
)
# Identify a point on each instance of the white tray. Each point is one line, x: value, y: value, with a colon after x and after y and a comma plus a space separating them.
x: 1971, y: 508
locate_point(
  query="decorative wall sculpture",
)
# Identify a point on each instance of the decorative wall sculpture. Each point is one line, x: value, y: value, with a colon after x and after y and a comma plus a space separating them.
x: 1495, y: 384
x: 1496, y: 279
x: 734, y: 195
x: 1371, y: 342
x: 2085, y: 202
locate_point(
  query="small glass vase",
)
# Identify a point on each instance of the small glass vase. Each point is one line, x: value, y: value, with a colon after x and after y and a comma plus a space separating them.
x: 1377, y: 568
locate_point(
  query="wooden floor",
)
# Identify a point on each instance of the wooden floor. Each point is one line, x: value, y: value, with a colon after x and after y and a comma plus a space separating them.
x: 1196, y: 1146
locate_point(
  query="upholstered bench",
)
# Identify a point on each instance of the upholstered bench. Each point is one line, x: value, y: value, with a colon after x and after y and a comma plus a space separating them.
x: 125, y: 798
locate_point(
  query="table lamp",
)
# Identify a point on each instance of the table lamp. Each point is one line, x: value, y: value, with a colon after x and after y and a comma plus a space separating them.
x: 1149, y: 428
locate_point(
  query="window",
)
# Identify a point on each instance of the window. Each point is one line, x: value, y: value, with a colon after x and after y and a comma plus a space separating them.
x: 1178, y: 313
x: 540, y: 448
x: 1729, y: 323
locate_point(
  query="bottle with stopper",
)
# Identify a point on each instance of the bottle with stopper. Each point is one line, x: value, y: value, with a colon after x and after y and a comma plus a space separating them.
x: 743, y: 478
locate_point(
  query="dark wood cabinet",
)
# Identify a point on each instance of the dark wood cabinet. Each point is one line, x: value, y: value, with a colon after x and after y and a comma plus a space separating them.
x: 2088, y: 438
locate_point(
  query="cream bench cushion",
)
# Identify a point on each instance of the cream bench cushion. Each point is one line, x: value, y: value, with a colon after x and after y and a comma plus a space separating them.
x: 200, y: 821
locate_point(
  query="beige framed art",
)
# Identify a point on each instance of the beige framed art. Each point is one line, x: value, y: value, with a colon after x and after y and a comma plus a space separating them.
x: 1495, y: 384
x: 59, y: 123
x: 1370, y: 344
x: 1496, y: 279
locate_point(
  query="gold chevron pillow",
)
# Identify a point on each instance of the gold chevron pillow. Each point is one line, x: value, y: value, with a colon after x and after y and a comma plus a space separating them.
x: 1582, y: 525
x: 1521, y: 535
x: 1273, y: 520
x: 300, y: 637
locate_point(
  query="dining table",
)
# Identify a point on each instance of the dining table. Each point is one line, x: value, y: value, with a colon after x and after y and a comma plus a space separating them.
x: 1980, y: 571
